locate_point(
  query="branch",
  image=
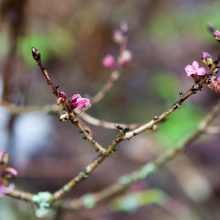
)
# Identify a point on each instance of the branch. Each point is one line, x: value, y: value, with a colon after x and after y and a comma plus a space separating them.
x: 88, y: 170
x: 107, y: 87
x: 66, y: 106
x: 146, y: 170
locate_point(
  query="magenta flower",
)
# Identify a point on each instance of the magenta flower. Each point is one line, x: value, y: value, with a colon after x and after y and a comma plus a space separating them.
x: 78, y: 103
x: 194, y: 69
x: 109, y: 62
x: 6, y: 173
x: 125, y: 57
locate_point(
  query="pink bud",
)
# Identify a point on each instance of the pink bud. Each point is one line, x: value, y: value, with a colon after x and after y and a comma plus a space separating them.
x: 75, y: 97
x: 4, y: 158
x: 78, y: 103
x: 109, y: 62
x: 118, y: 37
x: 125, y: 57
x: 62, y: 95
x: 206, y: 55
x: 124, y: 27
x: 10, y: 172
x: 216, y: 34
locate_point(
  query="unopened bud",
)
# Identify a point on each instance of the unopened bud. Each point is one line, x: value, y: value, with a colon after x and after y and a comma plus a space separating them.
x: 35, y: 53
x: 4, y: 158
x: 125, y: 57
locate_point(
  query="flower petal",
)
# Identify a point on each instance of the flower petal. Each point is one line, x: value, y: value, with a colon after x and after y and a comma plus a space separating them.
x: 190, y: 70
x: 195, y: 65
x: 201, y: 71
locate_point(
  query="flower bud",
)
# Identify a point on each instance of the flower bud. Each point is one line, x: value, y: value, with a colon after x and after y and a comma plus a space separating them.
x: 216, y: 35
x: 207, y: 59
x: 125, y: 57
x: 4, y: 158
x: 9, y: 172
x: 62, y: 95
x: 118, y: 37
x: 109, y: 62
x: 36, y: 54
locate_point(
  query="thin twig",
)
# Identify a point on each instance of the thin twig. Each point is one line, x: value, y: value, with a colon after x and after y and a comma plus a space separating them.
x: 107, y: 87
x: 20, y: 195
x: 106, y: 124
x: 14, y: 109
x: 71, y: 114
x: 88, y: 170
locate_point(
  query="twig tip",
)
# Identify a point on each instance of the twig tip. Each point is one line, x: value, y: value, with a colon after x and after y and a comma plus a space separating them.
x: 35, y: 53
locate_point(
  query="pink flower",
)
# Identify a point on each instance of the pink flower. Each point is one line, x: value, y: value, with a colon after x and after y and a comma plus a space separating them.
x: 125, y: 57
x: 78, y: 103
x: 109, y: 62
x: 194, y: 69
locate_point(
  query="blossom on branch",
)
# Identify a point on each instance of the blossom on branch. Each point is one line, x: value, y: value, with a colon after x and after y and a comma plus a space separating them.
x: 195, y: 70
x: 216, y: 35
x: 6, y: 173
x: 125, y: 57
x: 109, y: 62
x: 79, y: 104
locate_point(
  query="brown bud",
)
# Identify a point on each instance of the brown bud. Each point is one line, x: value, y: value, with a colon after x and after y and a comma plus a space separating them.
x: 35, y: 53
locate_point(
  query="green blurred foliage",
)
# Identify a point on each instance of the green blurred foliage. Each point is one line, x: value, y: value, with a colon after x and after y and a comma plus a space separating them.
x: 56, y: 41
x: 182, y: 122
x: 132, y: 201
x: 168, y: 25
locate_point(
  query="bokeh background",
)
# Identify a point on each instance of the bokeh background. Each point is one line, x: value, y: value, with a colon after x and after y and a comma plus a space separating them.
x: 73, y: 36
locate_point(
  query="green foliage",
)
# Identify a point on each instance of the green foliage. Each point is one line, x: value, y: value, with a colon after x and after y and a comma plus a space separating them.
x: 53, y: 42
x: 182, y: 122
x: 135, y: 200
x: 166, y: 86
x: 168, y: 25
x: 180, y: 125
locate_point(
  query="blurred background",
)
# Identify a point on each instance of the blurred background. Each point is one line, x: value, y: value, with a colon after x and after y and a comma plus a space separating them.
x: 73, y: 37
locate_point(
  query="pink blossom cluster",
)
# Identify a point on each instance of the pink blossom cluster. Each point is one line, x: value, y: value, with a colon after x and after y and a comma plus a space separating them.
x: 77, y: 102
x: 6, y: 173
x: 125, y: 56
